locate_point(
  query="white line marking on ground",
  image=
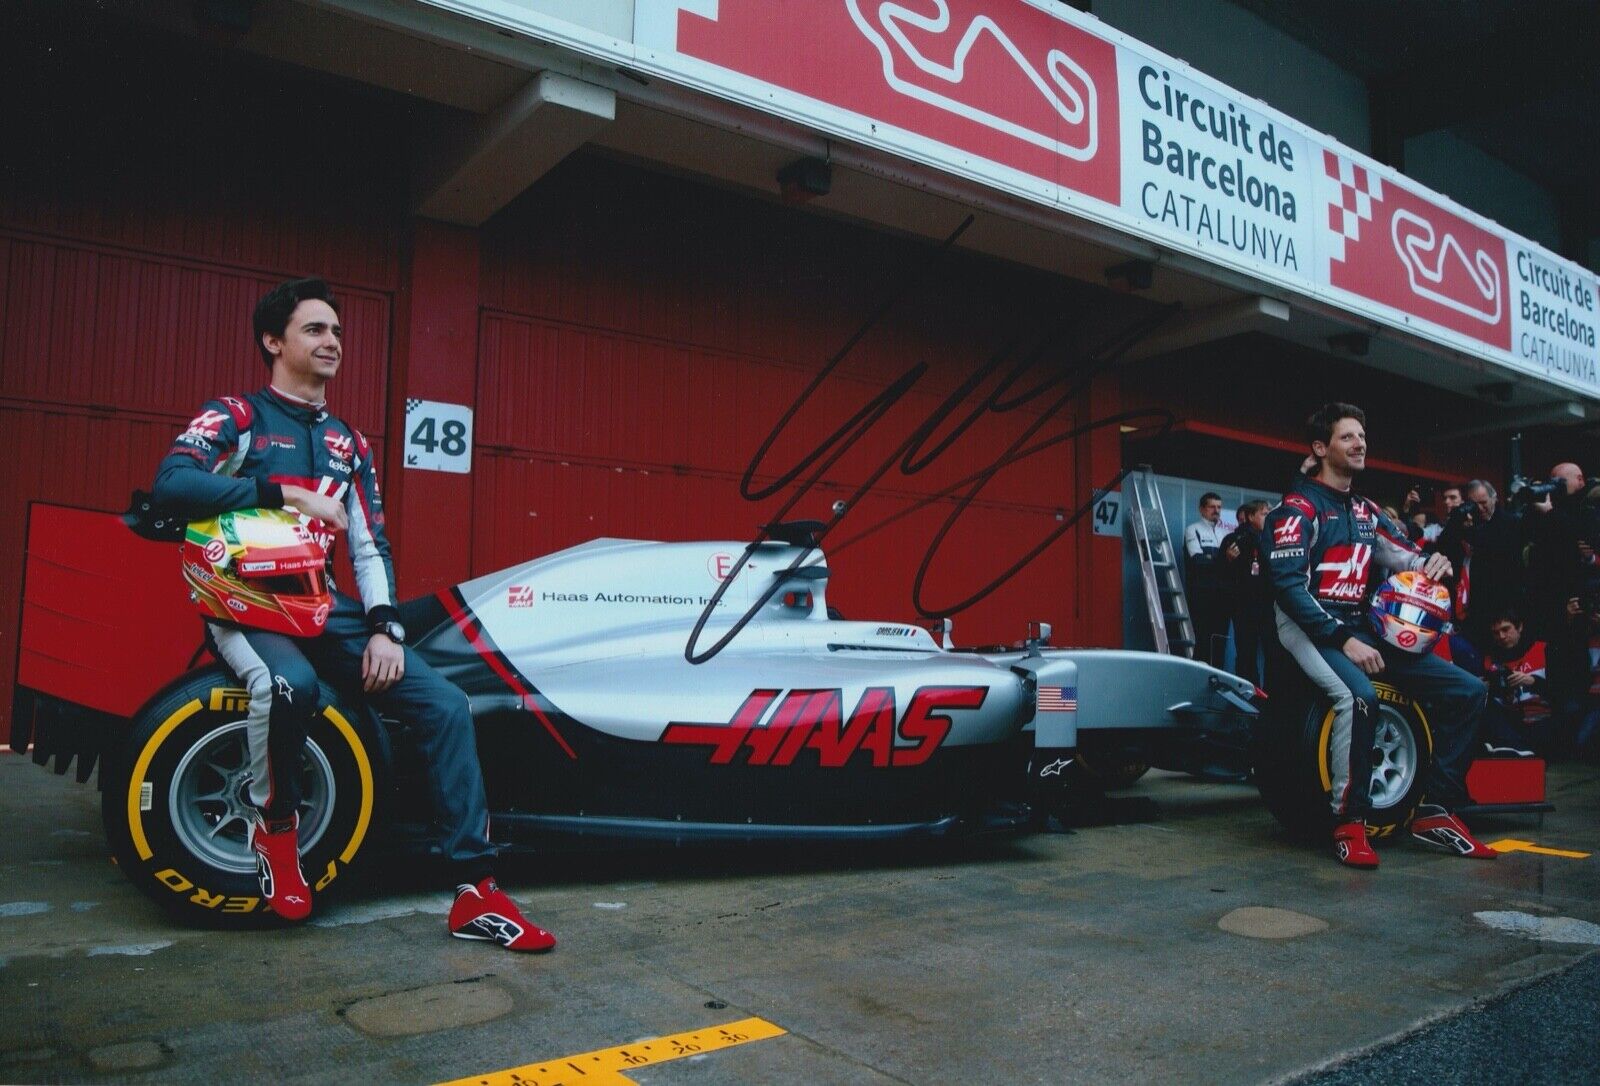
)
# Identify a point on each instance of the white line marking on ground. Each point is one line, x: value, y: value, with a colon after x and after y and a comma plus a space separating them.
x: 372, y: 911
x: 1546, y: 929
x: 130, y: 950
x: 24, y: 908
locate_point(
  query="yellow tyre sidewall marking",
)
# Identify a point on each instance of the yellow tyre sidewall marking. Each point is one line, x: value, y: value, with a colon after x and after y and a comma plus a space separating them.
x: 358, y: 750
x: 364, y: 768
x: 141, y: 844
x: 1324, y: 749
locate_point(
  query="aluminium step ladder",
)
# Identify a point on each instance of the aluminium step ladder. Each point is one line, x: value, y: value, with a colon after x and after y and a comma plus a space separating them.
x: 1164, y: 598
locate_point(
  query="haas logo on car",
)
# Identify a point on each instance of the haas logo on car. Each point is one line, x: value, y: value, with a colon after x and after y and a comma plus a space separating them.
x: 519, y: 595
x: 1344, y: 572
x: 813, y: 720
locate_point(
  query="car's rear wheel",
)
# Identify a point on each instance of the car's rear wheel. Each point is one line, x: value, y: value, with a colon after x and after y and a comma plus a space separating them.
x: 1293, y: 763
x: 175, y: 808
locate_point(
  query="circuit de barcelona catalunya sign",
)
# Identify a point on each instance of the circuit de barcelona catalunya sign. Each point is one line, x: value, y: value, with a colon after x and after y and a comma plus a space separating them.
x: 1031, y: 98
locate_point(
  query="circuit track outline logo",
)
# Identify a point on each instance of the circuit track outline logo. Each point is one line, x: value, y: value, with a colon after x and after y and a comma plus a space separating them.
x: 1079, y: 110
x: 1419, y: 240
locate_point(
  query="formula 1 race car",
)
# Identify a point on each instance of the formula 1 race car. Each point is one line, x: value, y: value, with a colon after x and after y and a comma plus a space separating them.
x: 594, y: 726
x: 592, y: 723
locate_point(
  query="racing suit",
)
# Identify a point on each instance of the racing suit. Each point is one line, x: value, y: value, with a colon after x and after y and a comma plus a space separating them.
x: 1325, y: 545
x: 239, y: 453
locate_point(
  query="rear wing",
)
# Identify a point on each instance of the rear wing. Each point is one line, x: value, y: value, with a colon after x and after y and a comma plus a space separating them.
x: 105, y: 624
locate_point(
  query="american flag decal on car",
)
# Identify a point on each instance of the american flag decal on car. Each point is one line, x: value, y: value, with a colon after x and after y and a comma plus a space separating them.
x: 1057, y: 699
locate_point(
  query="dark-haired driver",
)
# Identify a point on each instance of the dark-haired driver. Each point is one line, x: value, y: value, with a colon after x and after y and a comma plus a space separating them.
x: 281, y: 448
x: 1327, y: 545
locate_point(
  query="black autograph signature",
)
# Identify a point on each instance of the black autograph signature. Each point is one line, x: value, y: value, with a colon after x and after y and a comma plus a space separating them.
x: 1068, y: 373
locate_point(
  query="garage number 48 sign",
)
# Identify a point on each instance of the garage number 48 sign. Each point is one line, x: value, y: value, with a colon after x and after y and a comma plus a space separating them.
x: 438, y: 436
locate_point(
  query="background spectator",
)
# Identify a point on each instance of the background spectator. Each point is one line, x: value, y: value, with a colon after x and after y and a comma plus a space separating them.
x: 1519, y: 715
x: 1246, y: 589
x: 1202, y: 545
x: 1484, y: 541
x: 1564, y: 581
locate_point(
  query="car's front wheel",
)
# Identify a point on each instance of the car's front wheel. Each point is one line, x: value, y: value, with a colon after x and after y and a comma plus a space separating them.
x: 175, y: 807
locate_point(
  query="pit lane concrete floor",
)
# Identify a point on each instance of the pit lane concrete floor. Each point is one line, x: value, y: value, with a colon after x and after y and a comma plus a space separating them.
x: 1100, y: 956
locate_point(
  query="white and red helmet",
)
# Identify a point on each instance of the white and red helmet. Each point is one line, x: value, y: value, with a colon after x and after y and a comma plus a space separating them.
x: 1410, y: 612
x: 260, y: 568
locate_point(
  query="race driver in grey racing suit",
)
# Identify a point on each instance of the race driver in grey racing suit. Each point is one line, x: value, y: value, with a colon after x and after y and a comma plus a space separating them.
x: 281, y: 448
x: 1327, y: 546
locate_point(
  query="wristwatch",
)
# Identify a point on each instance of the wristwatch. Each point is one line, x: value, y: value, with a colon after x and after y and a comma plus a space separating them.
x: 392, y: 630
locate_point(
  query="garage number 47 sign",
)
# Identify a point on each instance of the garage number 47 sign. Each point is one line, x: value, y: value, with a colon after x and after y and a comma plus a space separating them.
x: 1108, y: 514
x: 438, y: 436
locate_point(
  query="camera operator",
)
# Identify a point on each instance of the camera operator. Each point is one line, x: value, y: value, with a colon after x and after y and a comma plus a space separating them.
x: 1484, y: 540
x: 1413, y: 514
x: 1564, y: 580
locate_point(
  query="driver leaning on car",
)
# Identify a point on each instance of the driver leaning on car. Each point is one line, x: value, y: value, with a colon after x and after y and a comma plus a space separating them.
x: 280, y: 448
x: 1326, y: 545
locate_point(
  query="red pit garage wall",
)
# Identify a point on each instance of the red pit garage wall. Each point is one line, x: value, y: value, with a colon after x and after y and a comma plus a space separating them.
x: 640, y: 337
x: 135, y: 237
x: 626, y: 341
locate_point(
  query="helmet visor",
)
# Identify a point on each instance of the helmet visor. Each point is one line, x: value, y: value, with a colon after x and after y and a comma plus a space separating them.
x: 305, y: 583
x: 1414, y: 614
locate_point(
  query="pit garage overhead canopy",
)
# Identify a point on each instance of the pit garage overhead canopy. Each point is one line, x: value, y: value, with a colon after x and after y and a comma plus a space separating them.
x: 1081, y: 148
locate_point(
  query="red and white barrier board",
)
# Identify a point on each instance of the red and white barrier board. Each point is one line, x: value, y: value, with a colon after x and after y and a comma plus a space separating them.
x: 1034, y: 99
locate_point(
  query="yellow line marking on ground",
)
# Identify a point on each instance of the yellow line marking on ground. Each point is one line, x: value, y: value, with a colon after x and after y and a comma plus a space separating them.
x: 1511, y: 844
x: 604, y: 1066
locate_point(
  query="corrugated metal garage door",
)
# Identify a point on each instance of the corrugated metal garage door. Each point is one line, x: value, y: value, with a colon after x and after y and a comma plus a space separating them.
x: 136, y: 234
x: 642, y: 336
x: 105, y: 354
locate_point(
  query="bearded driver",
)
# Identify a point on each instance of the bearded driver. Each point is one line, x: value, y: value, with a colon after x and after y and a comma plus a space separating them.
x: 280, y: 448
x: 1326, y: 542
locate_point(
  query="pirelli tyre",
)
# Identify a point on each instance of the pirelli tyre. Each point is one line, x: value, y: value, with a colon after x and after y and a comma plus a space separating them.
x: 1293, y: 767
x: 175, y: 811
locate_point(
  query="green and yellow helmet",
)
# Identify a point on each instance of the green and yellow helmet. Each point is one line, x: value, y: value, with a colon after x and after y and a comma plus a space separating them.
x: 260, y: 568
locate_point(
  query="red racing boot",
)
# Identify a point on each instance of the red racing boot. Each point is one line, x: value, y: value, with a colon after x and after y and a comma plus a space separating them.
x: 1433, y: 825
x: 485, y: 912
x: 1350, y: 845
x: 277, y: 848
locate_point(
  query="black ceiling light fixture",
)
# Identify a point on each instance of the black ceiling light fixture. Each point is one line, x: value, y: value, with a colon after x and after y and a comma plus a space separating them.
x: 1350, y: 344
x: 1131, y: 276
x: 805, y: 179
